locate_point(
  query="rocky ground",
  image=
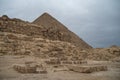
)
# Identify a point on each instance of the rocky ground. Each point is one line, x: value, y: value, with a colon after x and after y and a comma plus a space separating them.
x: 60, y: 73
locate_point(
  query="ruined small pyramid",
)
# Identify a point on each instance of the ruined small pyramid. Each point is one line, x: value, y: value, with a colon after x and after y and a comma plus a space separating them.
x: 59, y: 31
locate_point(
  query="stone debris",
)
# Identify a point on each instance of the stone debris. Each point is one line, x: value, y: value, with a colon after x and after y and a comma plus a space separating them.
x: 24, y: 68
x: 29, y: 67
x: 73, y: 62
x: 16, y: 44
x: 88, y: 69
x: 52, y: 61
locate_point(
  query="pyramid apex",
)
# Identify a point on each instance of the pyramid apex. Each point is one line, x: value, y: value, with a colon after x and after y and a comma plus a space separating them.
x: 45, y: 14
x: 44, y: 18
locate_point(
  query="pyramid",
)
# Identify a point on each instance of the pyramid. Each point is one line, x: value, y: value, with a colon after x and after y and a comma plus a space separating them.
x: 60, y: 32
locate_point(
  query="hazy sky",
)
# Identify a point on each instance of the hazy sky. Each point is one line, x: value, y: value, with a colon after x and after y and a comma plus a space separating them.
x: 95, y: 21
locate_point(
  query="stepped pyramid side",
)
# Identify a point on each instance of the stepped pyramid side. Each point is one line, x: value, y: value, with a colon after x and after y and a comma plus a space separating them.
x: 61, y: 32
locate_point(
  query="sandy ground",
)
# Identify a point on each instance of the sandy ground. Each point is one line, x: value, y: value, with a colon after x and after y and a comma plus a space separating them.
x: 8, y: 73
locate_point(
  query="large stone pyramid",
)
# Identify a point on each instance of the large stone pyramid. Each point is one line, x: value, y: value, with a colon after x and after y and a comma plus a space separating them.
x: 57, y: 31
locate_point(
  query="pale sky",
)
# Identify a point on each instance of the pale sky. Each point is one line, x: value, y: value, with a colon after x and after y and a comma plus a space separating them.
x: 95, y: 21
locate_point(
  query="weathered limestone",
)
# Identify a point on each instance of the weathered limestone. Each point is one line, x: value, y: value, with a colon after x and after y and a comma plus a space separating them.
x: 73, y: 62
x: 53, y: 61
x: 24, y: 68
x: 88, y: 69
x: 30, y: 67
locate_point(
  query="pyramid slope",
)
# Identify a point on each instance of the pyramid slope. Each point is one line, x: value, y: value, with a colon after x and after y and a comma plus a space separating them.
x: 53, y: 25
